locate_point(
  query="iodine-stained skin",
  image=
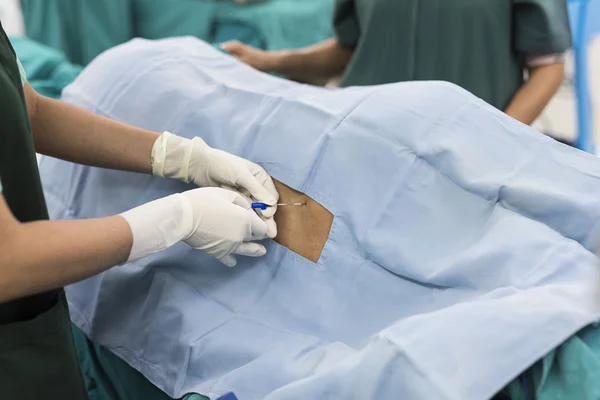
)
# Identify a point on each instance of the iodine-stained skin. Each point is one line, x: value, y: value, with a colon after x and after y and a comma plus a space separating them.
x: 302, y: 229
x: 458, y: 254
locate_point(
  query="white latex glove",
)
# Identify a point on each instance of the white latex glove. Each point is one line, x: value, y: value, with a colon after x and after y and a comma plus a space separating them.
x: 195, y: 161
x: 217, y: 221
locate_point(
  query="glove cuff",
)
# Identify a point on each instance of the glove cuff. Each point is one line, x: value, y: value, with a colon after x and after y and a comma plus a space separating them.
x: 171, y: 156
x: 158, y: 225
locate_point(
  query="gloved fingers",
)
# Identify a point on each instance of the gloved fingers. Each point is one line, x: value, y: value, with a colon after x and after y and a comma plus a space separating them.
x: 258, y: 227
x: 250, y: 249
x: 229, y: 260
x: 271, y: 227
x: 264, y: 179
x: 249, y: 182
x: 267, y: 182
x: 269, y: 212
x: 239, y: 199
x: 243, y: 192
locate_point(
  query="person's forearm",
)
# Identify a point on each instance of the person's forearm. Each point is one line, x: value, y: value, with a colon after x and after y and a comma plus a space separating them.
x: 531, y: 99
x: 325, y: 60
x: 39, y: 256
x: 70, y: 133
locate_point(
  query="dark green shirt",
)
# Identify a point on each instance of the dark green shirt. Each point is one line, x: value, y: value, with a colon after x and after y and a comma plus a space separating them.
x: 477, y: 44
x: 37, y: 355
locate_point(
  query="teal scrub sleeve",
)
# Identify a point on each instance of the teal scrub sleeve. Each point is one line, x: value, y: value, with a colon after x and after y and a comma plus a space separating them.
x: 47, y: 70
x: 345, y: 22
x: 541, y: 27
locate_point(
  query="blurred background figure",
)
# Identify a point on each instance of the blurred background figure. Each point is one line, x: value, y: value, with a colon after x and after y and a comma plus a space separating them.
x: 55, y: 39
x: 82, y: 29
x: 509, y: 53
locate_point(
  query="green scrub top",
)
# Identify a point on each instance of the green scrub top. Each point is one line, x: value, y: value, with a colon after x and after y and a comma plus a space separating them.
x: 476, y: 44
x: 37, y: 355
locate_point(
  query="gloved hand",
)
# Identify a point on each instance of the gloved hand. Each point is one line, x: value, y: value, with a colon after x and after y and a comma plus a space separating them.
x: 217, y: 221
x: 195, y: 161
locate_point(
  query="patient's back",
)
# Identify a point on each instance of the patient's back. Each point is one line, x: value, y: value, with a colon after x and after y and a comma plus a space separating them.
x: 441, y: 209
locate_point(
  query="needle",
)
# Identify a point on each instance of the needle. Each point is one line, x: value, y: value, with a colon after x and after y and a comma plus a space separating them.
x: 264, y: 206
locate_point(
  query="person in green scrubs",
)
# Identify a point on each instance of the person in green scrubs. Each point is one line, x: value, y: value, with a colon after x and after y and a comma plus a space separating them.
x: 485, y: 47
x: 38, y: 257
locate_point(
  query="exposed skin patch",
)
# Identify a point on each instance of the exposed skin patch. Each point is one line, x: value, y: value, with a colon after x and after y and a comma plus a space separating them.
x: 302, y: 229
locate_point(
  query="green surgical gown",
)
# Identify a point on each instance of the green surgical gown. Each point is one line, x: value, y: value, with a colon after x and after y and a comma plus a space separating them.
x: 476, y: 44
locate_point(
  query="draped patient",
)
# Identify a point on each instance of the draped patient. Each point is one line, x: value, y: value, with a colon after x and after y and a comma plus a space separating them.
x: 433, y: 225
